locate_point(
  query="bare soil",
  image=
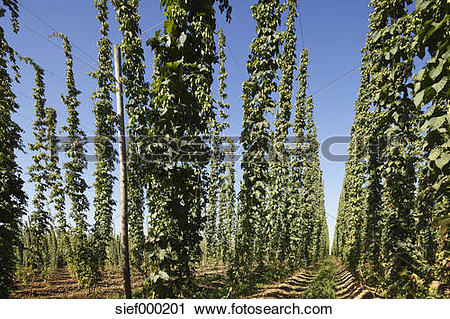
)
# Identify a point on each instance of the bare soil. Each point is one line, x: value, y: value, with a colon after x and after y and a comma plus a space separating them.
x: 61, y: 285
x: 347, y: 286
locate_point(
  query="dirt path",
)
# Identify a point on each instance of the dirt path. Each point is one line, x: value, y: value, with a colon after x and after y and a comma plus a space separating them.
x: 291, y: 288
x: 347, y: 286
x: 62, y: 285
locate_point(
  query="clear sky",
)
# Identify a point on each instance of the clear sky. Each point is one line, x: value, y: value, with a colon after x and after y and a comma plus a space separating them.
x: 333, y: 31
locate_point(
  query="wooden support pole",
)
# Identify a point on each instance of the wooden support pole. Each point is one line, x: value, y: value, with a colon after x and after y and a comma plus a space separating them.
x: 123, y: 176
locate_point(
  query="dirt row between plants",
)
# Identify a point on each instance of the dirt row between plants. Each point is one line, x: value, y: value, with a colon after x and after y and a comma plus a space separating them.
x: 347, y: 286
x: 291, y: 288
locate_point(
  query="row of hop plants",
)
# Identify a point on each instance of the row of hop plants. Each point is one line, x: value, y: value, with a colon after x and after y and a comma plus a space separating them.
x: 393, y: 220
x: 57, y: 233
x: 278, y: 217
x: 53, y: 257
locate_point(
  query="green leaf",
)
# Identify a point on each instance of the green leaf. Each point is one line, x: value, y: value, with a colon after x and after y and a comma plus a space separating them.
x: 435, y: 122
x: 396, y: 116
x: 436, y: 71
x: 181, y: 40
x: 420, y: 75
x: 163, y: 275
x: 438, y: 87
x: 443, y: 160
x: 418, y: 98
x: 434, y: 154
x: 421, y: 4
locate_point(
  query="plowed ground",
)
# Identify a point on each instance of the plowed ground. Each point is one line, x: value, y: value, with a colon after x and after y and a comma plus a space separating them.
x: 347, y: 286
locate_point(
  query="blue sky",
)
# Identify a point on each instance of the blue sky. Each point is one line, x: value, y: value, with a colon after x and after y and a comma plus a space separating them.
x: 333, y: 31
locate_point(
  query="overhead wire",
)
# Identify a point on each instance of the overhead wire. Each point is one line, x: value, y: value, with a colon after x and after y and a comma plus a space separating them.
x: 336, y: 80
x: 301, y: 30
x: 58, y: 45
x: 153, y: 27
x: 55, y: 30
